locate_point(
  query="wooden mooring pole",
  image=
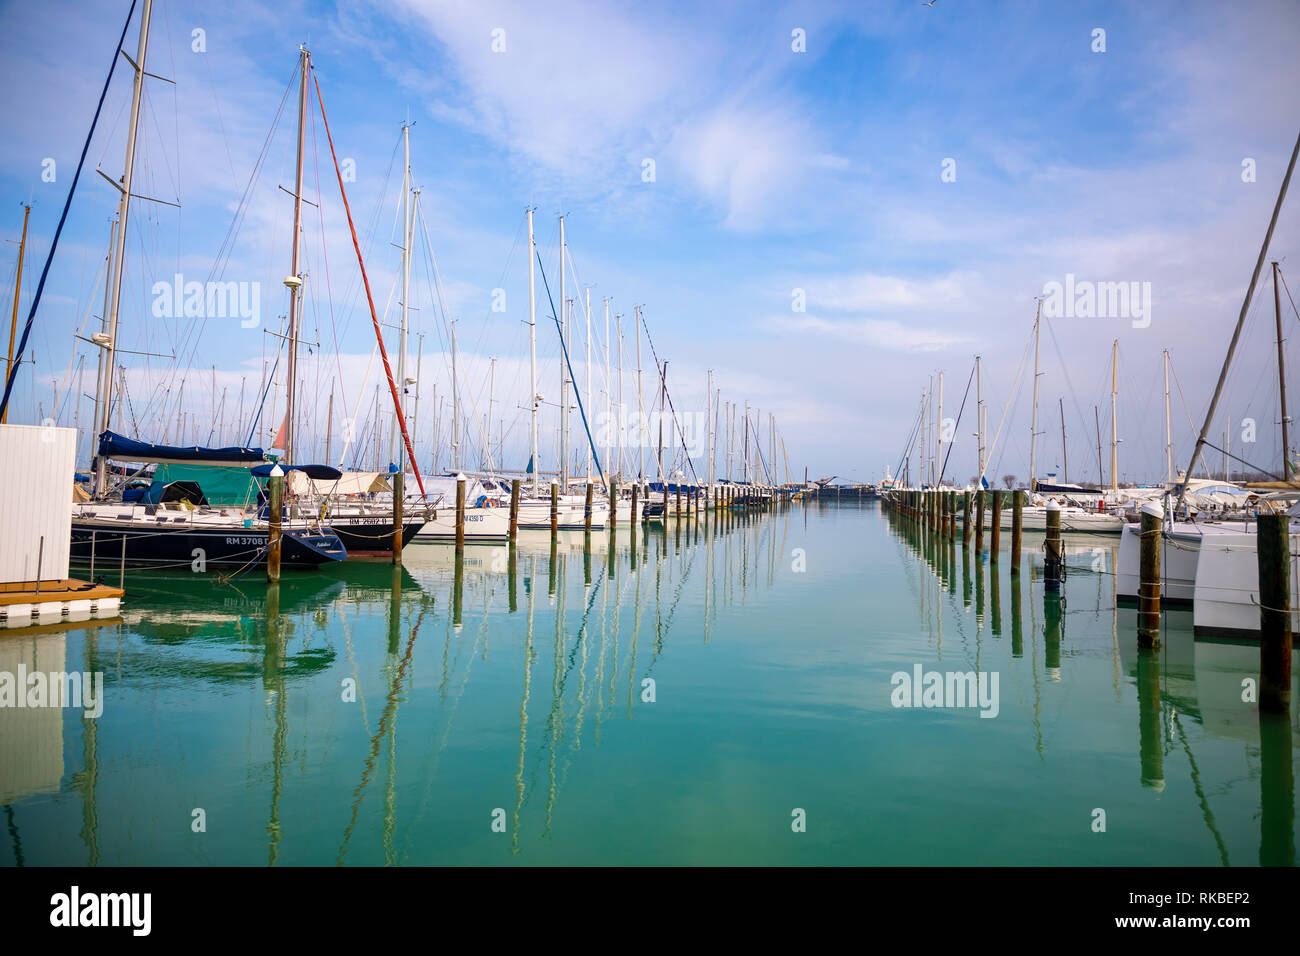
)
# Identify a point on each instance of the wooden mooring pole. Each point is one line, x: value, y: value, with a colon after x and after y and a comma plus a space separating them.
x: 1274, y: 555
x: 965, y: 519
x: 1017, y: 529
x: 1152, y: 541
x: 613, y: 504
x: 514, y: 509
x: 555, y: 511
x: 399, y: 486
x: 1052, y: 564
x: 586, y: 515
x: 276, y: 488
x: 995, y: 526
x: 979, y: 520
x: 460, y: 515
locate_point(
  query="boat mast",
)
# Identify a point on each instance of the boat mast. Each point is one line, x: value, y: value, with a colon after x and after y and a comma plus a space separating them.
x: 17, y: 288
x: 622, y: 411
x: 396, y: 449
x: 1096, y: 418
x: 1065, y: 455
x: 1114, y: 439
x: 104, y: 402
x: 532, y: 350
x: 642, y: 425
x: 587, y: 404
x: 1281, y: 377
x: 608, y: 384
x: 1241, y: 319
x: 708, y: 422
x: 1033, y: 425
x: 979, y: 416
x: 938, y: 436
x: 663, y: 387
x: 294, y: 282
x: 1169, y: 452
x: 564, y: 374
x: 455, y: 405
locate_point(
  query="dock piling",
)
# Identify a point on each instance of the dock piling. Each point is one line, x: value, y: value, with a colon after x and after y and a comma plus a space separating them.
x: 995, y: 526
x: 399, y: 486
x: 1052, y: 549
x: 555, y: 511
x: 1274, y: 613
x: 275, y: 485
x: 460, y: 515
x: 1017, y: 529
x: 1149, y: 575
x: 514, y: 509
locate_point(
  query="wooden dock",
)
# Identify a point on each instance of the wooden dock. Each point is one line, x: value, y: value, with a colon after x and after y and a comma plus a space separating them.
x: 24, y: 603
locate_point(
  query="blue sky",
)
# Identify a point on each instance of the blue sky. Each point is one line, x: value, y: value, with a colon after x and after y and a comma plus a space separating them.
x: 774, y: 171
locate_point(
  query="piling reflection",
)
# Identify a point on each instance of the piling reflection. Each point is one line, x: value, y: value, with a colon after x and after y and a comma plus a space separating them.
x: 1202, y: 680
x: 373, y: 714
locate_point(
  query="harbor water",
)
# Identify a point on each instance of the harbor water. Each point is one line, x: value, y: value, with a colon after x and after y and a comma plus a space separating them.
x: 696, y: 695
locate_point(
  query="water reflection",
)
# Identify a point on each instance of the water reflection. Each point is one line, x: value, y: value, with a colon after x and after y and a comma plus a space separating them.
x: 1204, y: 680
x: 496, y: 706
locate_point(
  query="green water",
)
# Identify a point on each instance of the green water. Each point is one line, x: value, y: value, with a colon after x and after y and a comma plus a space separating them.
x: 514, y: 693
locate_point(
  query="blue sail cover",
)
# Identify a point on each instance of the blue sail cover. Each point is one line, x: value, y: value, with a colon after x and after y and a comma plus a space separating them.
x: 113, y: 445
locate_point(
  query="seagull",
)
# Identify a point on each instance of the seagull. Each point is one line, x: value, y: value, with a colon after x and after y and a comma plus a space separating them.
x: 930, y: 4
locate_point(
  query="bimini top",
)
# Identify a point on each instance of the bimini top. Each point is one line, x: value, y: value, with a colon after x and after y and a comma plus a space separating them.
x: 315, y: 472
x: 113, y: 445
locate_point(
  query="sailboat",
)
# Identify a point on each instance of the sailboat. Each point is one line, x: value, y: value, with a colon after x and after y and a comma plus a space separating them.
x: 1214, y: 565
x: 172, y: 523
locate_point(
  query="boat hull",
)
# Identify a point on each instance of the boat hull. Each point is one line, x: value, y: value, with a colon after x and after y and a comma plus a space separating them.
x: 144, y: 545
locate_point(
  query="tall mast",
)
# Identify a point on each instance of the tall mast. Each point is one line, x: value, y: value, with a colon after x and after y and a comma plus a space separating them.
x: 748, y: 472
x: 587, y: 403
x: 532, y: 351
x: 1065, y: 455
x: 1114, y: 402
x: 564, y: 373
x: 663, y: 388
x: 329, y: 427
x: 294, y: 282
x: 923, y: 461
x: 487, y: 425
x: 1033, y: 425
x: 455, y: 405
x: 17, y: 289
x: 708, y: 422
x: 1241, y: 318
x: 1281, y: 377
x: 396, y: 448
x: 419, y: 374
x: 608, y: 393
x: 622, y: 411
x: 1096, y: 417
x: 979, y: 417
x: 938, y: 436
x: 104, y: 403
x: 1169, y: 446
x: 640, y: 405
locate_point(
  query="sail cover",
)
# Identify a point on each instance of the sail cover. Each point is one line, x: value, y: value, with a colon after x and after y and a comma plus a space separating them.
x: 121, y: 448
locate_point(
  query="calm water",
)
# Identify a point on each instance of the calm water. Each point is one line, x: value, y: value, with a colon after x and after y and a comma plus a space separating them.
x: 515, y: 693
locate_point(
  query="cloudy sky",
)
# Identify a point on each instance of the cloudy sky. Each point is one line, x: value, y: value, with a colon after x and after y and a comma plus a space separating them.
x: 826, y: 204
